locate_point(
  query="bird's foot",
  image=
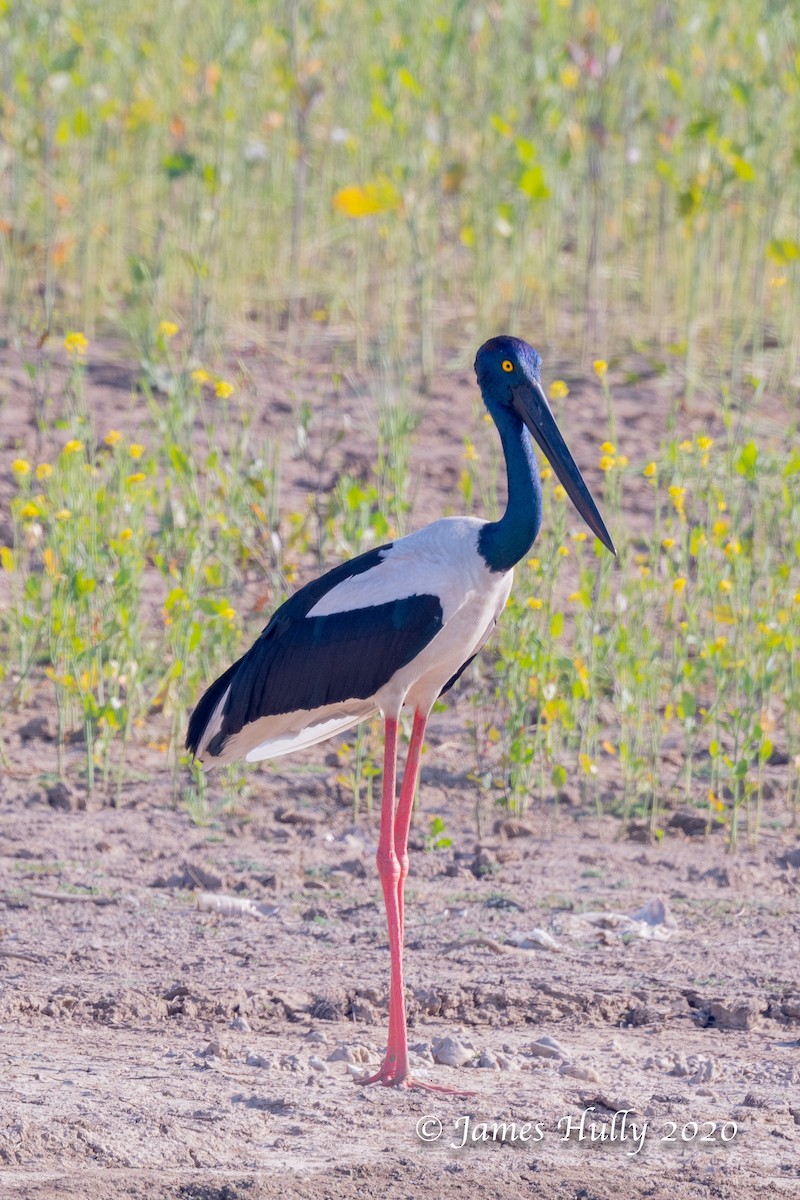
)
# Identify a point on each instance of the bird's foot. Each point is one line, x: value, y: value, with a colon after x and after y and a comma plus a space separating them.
x: 390, y: 1076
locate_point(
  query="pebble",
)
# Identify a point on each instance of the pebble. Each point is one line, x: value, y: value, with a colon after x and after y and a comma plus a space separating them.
x: 487, y: 1060
x: 547, y: 1047
x: 240, y: 1023
x: 452, y: 1052
x: 213, y: 1049
x: 506, y: 1062
x: 318, y: 1036
x: 258, y: 1060
x: 587, y: 1073
x: 316, y: 1062
x: 352, y: 1054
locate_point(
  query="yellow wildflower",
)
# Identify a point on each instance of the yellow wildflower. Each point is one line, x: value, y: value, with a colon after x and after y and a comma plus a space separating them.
x: 534, y: 564
x: 686, y: 445
x: 578, y: 536
x: 622, y: 460
x: 167, y: 329
x: 733, y: 548
x: 668, y: 543
x: 137, y: 477
x: 679, y: 584
x: 73, y: 447
x: 76, y: 345
x: 600, y: 367
x: 29, y: 511
x: 606, y: 462
x: 21, y: 467
x: 705, y: 443
x: 563, y: 551
x: 546, y: 473
x: 678, y: 497
x: 650, y: 470
x: 533, y: 602
x: 470, y: 453
x: 725, y: 586
x: 125, y: 534
x: 558, y: 390
x: 201, y: 376
x: 113, y: 437
x: 63, y: 514
x: 608, y: 448
x: 135, y: 450
x: 574, y: 597
x: 559, y: 492
x: 43, y: 471
x: 224, y: 389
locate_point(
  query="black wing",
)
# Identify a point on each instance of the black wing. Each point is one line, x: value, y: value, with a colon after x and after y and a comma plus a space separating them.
x: 304, y: 663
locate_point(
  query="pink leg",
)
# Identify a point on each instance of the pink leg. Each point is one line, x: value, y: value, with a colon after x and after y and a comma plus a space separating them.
x: 402, y: 822
x: 393, y: 868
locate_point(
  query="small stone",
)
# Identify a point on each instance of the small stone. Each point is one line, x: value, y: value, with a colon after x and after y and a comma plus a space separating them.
x: 354, y: 1054
x: 240, y: 1023
x: 450, y: 1052
x: 587, y: 1073
x: 506, y: 1062
x: 317, y: 1064
x: 258, y: 1060
x: 317, y: 1036
x: 213, y: 1049
x: 487, y: 1061
x: 547, y: 1047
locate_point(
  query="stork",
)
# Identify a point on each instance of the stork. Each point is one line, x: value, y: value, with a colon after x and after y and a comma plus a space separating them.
x: 394, y: 628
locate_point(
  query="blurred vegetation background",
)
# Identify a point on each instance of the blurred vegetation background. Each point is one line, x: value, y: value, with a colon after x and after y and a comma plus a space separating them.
x: 620, y: 176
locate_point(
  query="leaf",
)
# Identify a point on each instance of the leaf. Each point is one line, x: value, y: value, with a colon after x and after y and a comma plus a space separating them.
x: 556, y: 624
x: 364, y: 200
x: 747, y: 460
x: 179, y: 163
x: 782, y: 250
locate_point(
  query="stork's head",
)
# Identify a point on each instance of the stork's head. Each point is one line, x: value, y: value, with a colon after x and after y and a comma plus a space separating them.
x: 509, y: 376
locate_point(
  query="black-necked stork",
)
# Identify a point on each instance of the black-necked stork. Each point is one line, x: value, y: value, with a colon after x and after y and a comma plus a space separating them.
x: 394, y: 628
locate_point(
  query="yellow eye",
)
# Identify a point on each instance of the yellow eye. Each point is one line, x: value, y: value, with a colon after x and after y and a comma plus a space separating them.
x: 507, y: 365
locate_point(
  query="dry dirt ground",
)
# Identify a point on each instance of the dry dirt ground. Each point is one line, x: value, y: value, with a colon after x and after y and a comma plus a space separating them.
x: 154, y: 1047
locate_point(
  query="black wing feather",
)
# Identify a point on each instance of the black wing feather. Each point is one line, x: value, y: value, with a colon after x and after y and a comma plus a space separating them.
x: 205, y: 707
x: 302, y: 663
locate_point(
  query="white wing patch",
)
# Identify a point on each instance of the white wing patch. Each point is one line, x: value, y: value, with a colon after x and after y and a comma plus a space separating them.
x: 440, y: 560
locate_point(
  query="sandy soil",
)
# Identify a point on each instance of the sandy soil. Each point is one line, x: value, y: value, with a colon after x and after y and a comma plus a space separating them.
x: 153, y: 1047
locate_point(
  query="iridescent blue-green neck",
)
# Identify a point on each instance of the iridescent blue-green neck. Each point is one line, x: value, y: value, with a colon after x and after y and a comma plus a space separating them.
x: 503, y: 543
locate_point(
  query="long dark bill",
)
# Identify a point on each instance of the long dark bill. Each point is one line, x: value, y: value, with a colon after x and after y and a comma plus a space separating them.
x: 531, y: 404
